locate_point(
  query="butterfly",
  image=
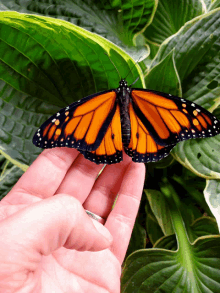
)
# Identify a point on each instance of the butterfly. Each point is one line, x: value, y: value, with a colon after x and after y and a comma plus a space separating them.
x: 146, y: 124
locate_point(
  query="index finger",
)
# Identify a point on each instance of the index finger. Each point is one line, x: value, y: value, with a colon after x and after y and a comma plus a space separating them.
x: 46, y: 173
x: 121, y: 220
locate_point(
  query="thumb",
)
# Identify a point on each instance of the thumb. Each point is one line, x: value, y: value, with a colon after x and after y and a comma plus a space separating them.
x: 50, y: 224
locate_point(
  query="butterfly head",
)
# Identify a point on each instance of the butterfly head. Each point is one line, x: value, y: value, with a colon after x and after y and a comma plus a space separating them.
x: 123, y: 85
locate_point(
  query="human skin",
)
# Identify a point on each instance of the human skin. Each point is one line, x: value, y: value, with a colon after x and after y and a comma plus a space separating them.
x: 49, y: 244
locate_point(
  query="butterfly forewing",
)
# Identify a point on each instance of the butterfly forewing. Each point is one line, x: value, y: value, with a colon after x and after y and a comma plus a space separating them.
x: 81, y: 125
x: 170, y: 119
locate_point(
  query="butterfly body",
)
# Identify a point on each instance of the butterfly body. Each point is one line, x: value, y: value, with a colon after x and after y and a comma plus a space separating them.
x: 145, y: 124
x: 123, y: 99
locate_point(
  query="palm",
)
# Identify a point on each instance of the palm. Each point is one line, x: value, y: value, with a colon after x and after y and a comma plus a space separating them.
x: 96, y: 272
x: 57, y: 265
x: 89, y: 271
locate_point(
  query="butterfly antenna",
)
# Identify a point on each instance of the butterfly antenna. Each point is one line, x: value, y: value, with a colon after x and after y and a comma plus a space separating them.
x: 134, y: 81
x: 132, y: 68
x: 114, y: 65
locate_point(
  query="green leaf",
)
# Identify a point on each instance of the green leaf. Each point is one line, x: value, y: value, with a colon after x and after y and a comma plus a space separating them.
x: 207, y: 3
x: 164, y: 77
x: 154, y: 231
x: 212, y: 196
x: 215, y: 4
x: 191, y: 188
x: 8, y: 180
x: 153, y: 51
x: 196, y: 55
x: 47, y: 64
x: 201, y: 156
x: 167, y: 242
x: 193, y: 267
x: 204, y: 226
x: 159, y: 270
x: 115, y: 20
x: 170, y: 16
x: 133, y: 17
x: 160, y: 209
x: 138, y: 239
x: 2, y: 163
x: 3, y: 7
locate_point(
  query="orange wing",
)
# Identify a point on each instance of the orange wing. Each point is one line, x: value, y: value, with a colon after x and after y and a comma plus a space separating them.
x: 82, y: 125
x: 142, y: 147
x: 110, y: 149
x: 169, y: 119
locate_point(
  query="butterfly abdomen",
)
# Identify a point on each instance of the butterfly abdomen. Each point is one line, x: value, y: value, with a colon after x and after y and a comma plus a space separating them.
x: 124, y: 101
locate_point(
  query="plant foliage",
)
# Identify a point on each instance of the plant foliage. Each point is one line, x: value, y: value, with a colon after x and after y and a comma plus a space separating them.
x: 54, y: 53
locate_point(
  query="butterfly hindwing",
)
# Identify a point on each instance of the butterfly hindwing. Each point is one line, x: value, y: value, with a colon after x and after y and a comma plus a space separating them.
x: 142, y: 147
x: 81, y: 125
x: 170, y: 119
x: 110, y: 149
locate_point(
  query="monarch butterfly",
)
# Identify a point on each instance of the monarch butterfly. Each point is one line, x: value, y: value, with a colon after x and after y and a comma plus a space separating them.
x: 146, y: 124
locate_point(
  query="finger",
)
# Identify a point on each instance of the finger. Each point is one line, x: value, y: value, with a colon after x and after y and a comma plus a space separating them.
x: 44, y: 176
x: 29, y: 236
x: 106, y: 188
x: 80, y: 178
x: 121, y: 220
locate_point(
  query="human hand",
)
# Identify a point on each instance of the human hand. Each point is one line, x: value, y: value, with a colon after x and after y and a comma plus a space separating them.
x: 49, y: 244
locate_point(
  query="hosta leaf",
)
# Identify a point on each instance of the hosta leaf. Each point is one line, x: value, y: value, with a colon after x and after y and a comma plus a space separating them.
x: 159, y: 270
x: 133, y: 16
x: 196, y: 58
x: 115, y: 20
x: 193, y: 187
x: 170, y: 16
x: 207, y: 3
x: 3, y: 7
x: 214, y: 4
x: 201, y: 156
x: 138, y: 239
x: 153, y: 51
x: 8, y: 180
x: 160, y: 208
x: 204, y: 226
x: 212, y: 196
x: 192, y: 267
x: 164, y: 77
x: 167, y: 242
x: 2, y: 162
x: 47, y: 64
x: 153, y: 229
x: 196, y: 53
